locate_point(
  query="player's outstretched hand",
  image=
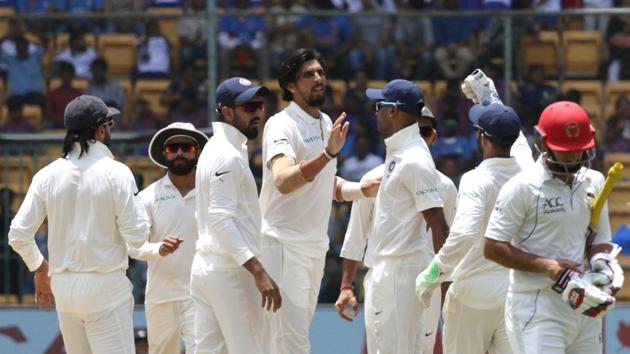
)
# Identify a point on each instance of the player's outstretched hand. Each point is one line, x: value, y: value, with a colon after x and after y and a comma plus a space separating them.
x: 169, y: 245
x: 338, y: 135
x: 43, y: 293
x: 271, y: 299
x: 347, y: 298
x: 370, y: 188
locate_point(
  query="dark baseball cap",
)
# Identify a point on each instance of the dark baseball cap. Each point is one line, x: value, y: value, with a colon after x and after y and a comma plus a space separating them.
x: 407, y: 94
x: 86, y: 112
x: 238, y: 90
x: 499, y: 122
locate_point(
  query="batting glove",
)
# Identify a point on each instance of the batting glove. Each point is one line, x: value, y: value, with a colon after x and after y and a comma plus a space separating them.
x: 427, y: 281
x: 606, y: 273
x: 480, y: 89
x: 582, y: 296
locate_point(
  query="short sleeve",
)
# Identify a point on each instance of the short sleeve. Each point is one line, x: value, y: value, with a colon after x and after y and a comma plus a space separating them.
x: 224, y: 183
x: 278, y: 140
x: 424, y: 182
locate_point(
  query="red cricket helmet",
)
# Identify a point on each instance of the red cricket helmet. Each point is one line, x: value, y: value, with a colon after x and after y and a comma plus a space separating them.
x: 565, y: 127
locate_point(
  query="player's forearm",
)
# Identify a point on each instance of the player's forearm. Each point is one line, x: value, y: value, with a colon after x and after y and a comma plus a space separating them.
x: 511, y: 257
x: 454, y: 250
x: 347, y: 191
x: 289, y: 176
x: 349, y: 270
x: 148, y: 251
x: 439, y: 228
x: 598, y: 248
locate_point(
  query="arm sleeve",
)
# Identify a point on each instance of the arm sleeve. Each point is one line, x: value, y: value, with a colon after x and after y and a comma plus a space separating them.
x: 358, y: 230
x: 522, y: 152
x: 25, y: 224
x: 131, y: 217
x: 508, y: 214
x: 423, y: 182
x: 466, y: 228
x: 450, y: 202
x: 278, y: 141
x: 149, y: 250
x: 223, y: 203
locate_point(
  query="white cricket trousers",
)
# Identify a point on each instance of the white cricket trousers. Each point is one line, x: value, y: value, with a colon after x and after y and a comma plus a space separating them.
x: 431, y: 322
x: 540, y: 322
x: 228, y: 312
x: 167, y: 322
x: 299, y: 278
x: 472, y: 330
x: 95, y: 312
x: 393, y: 316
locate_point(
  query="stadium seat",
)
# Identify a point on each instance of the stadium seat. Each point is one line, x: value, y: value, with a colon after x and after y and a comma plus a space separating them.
x: 624, y: 158
x: 168, y: 26
x: 4, y: 24
x: 152, y: 90
x: 377, y: 83
x: 439, y: 89
x: 127, y: 88
x: 78, y: 83
x: 582, y: 53
x: 542, y: 50
x: 274, y: 86
x: 338, y: 88
x: 119, y: 50
x: 591, y: 98
x: 611, y: 92
x: 148, y: 169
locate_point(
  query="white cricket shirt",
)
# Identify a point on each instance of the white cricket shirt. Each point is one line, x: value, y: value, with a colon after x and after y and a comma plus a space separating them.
x: 481, y: 282
x: 360, y: 224
x: 93, y: 213
x: 228, y: 215
x: 410, y: 185
x: 544, y: 216
x: 298, y: 219
x: 170, y: 214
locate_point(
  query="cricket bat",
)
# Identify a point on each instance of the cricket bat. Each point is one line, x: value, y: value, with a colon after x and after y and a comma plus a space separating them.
x: 598, y: 203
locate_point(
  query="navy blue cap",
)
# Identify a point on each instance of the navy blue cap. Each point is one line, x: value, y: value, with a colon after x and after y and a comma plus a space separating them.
x: 406, y: 93
x: 499, y: 122
x: 85, y: 112
x: 238, y: 90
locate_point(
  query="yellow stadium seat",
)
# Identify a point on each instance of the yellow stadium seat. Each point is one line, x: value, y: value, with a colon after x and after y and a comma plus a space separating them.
x: 4, y: 24
x: 338, y: 88
x: 612, y: 91
x: 16, y: 173
x: 542, y: 50
x: 582, y: 53
x: 439, y: 89
x: 79, y: 83
x: 119, y: 50
x: 143, y: 165
x: 377, y: 83
x: 151, y: 90
x: 591, y: 98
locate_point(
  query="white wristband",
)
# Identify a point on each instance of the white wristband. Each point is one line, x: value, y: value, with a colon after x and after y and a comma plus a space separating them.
x: 351, y: 191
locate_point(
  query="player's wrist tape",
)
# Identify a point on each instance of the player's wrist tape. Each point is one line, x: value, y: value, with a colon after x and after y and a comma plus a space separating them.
x: 346, y: 287
x: 563, y: 280
x: 349, y: 191
x: 311, y: 168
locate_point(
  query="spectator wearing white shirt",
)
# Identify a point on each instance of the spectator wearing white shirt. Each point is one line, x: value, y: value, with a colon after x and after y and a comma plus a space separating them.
x: 153, y: 54
x: 78, y: 54
x: 361, y: 162
x: 168, y: 304
x: 93, y: 215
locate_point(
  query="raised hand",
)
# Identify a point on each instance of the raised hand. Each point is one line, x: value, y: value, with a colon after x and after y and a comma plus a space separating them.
x: 338, y: 135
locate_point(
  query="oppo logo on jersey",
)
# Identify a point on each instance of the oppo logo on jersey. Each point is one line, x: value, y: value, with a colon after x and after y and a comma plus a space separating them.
x: 426, y: 191
x: 553, y: 205
x: 165, y: 198
x: 311, y: 139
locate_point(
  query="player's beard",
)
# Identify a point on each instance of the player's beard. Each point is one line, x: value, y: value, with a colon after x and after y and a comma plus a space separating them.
x: 181, y: 169
x: 107, y: 139
x: 316, y: 101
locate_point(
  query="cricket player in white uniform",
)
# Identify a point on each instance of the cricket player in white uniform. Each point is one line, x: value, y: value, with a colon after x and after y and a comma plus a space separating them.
x: 408, y: 201
x: 299, y: 149
x: 358, y: 233
x: 538, y: 229
x: 474, y: 308
x: 227, y: 275
x: 93, y: 214
x: 170, y: 204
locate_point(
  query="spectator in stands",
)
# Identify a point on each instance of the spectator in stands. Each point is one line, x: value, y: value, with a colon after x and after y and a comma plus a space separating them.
x: 162, y: 3
x: 153, y: 54
x: 281, y: 37
x: 190, y: 110
x: 597, y: 22
x: 187, y: 82
x: 534, y: 95
x: 451, y: 143
x: 414, y: 41
x: 617, y: 131
x: 542, y: 6
x: 240, y: 41
x: 331, y: 36
x: 58, y: 98
x: 108, y: 90
x: 142, y: 118
x: 452, y: 53
x: 24, y: 72
x: 79, y: 54
x: 449, y: 165
x: 193, y: 33
x: 15, y: 29
x: 361, y: 162
x: 373, y: 44
x: 455, y: 105
x: 618, y: 38
x: 16, y: 122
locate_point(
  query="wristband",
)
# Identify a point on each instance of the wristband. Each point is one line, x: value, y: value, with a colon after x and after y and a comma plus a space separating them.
x: 329, y: 155
x: 351, y: 191
x: 346, y: 287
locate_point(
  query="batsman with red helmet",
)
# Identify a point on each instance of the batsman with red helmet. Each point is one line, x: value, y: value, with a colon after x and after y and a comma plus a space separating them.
x: 554, y: 302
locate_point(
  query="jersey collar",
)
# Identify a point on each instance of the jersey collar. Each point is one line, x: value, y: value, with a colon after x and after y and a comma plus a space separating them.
x: 231, y: 134
x: 96, y: 149
x: 296, y: 111
x: 406, y: 136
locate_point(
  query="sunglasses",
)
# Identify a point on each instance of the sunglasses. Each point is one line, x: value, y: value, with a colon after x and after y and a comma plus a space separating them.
x: 426, y: 132
x: 252, y: 106
x: 381, y: 104
x: 186, y: 148
x: 109, y: 124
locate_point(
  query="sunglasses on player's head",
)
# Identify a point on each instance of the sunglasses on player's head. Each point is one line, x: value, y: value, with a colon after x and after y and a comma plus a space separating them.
x: 186, y: 148
x: 381, y: 104
x: 426, y: 132
x: 251, y: 106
